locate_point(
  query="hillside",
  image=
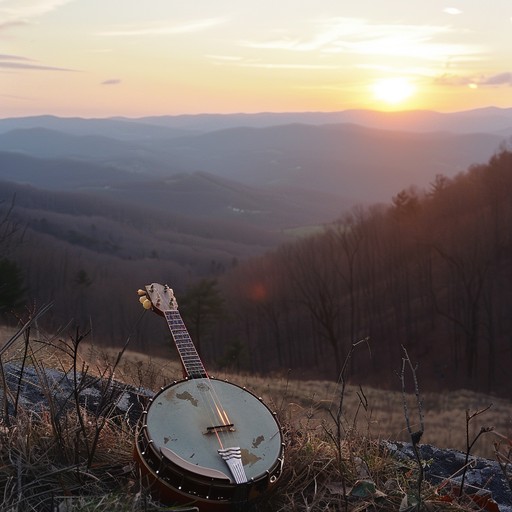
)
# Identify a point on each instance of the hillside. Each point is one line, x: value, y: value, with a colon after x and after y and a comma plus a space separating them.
x: 406, y: 271
x: 430, y: 271
x: 362, y: 165
x: 198, y: 195
x: 356, y: 156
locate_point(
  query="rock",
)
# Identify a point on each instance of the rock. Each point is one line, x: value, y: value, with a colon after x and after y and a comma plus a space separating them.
x: 482, y: 475
x: 38, y: 389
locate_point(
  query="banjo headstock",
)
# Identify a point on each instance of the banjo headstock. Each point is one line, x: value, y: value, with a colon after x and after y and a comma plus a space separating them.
x: 160, y: 298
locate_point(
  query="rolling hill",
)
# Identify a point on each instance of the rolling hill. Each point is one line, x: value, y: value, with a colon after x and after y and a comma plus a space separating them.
x: 198, y: 195
x: 356, y: 156
x: 106, y: 205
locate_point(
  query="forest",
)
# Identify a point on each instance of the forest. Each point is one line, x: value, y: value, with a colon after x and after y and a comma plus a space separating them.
x: 430, y: 271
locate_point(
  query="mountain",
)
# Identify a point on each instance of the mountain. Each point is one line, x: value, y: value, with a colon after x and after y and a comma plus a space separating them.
x: 117, y: 128
x: 366, y: 165
x: 54, y: 144
x: 198, y: 195
x: 483, y: 120
x: 354, y: 162
x: 59, y: 173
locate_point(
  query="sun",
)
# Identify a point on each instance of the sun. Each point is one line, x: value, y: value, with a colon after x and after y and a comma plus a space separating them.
x: 393, y: 91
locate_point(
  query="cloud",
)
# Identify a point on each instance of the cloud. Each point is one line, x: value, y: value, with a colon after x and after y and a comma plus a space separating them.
x: 224, y: 59
x: 112, y: 81
x: 284, y: 65
x: 327, y: 33
x: 20, y: 12
x: 23, y: 63
x: 452, y: 80
x: 362, y: 37
x: 8, y: 24
x: 497, y: 80
x: 4, y: 56
x: 252, y: 63
x: 452, y: 10
x: 160, y: 29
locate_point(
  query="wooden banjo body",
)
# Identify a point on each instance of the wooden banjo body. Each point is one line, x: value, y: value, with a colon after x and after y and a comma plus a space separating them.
x: 205, y: 441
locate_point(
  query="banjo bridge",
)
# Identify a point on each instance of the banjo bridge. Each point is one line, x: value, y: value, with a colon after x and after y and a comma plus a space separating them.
x: 230, y: 427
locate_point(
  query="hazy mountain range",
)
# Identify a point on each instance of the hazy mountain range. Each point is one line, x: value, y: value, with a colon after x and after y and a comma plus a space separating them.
x: 266, y: 171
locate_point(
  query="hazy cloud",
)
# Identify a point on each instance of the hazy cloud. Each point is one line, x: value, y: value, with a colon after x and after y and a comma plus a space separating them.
x: 252, y: 63
x: 20, y: 12
x: 8, y: 24
x: 360, y: 36
x: 499, y: 79
x: 4, y: 57
x: 452, y: 80
x: 284, y: 65
x: 113, y: 81
x: 18, y: 62
x: 159, y: 29
x: 224, y: 58
x: 452, y: 10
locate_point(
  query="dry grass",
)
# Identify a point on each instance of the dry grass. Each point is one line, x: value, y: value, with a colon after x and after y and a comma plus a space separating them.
x: 82, y: 461
x: 445, y: 413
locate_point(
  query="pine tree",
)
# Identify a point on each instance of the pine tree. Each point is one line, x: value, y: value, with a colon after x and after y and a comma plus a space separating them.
x: 11, y: 286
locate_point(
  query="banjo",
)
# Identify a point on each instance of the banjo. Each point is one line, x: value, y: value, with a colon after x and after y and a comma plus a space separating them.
x: 204, y: 441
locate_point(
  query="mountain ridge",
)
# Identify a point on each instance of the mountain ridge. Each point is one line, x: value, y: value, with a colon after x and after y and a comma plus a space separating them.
x: 491, y: 118
x: 347, y: 160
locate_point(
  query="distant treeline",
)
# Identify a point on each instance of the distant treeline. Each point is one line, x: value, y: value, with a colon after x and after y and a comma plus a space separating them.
x: 431, y: 271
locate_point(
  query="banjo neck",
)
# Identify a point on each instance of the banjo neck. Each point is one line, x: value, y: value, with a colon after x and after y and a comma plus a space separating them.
x: 190, y: 360
x: 161, y: 299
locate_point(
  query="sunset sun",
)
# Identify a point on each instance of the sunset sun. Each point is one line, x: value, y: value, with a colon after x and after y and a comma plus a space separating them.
x: 393, y: 91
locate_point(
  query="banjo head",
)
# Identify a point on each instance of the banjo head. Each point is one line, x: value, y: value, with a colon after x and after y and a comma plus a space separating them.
x: 188, y: 422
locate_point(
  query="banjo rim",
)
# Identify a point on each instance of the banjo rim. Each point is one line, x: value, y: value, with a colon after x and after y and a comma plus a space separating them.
x: 178, y: 482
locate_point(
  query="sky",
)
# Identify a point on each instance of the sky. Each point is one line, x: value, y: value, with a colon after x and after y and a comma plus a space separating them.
x: 134, y: 58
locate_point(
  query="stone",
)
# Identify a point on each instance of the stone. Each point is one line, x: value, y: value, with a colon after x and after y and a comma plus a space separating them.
x: 483, y: 476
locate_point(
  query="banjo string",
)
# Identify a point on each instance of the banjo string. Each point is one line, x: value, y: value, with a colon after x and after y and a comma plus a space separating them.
x: 213, y: 409
x: 217, y: 409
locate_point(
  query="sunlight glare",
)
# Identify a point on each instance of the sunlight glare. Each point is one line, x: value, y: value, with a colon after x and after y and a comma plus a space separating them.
x: 393, y: 90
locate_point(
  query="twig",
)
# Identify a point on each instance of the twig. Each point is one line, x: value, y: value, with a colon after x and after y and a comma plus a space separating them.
x: 22, y: 370
x: 416, y: 435
x: 24, y: 329
x: 337, y: 418
x: 470, y: 444
x: 44, y: 309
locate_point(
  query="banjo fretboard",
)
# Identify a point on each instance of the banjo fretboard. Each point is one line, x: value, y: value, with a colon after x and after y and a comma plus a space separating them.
x: 189, y: 357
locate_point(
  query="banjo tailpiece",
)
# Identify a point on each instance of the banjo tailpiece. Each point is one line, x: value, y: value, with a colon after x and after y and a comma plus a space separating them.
x: 233, y: 458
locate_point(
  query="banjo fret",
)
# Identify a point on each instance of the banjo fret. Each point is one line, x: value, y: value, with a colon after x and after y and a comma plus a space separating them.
x: 190, y: 359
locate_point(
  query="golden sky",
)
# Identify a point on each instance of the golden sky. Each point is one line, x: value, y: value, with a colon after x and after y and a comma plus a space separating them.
x: 99, y: 58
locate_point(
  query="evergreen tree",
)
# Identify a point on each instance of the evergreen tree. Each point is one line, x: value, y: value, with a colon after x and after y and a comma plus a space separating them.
x: 200, y: 307
x: 11, y: 286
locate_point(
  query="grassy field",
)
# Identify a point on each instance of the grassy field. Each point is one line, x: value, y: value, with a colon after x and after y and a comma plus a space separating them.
x: 84, y: 462
x: 381, y: 416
